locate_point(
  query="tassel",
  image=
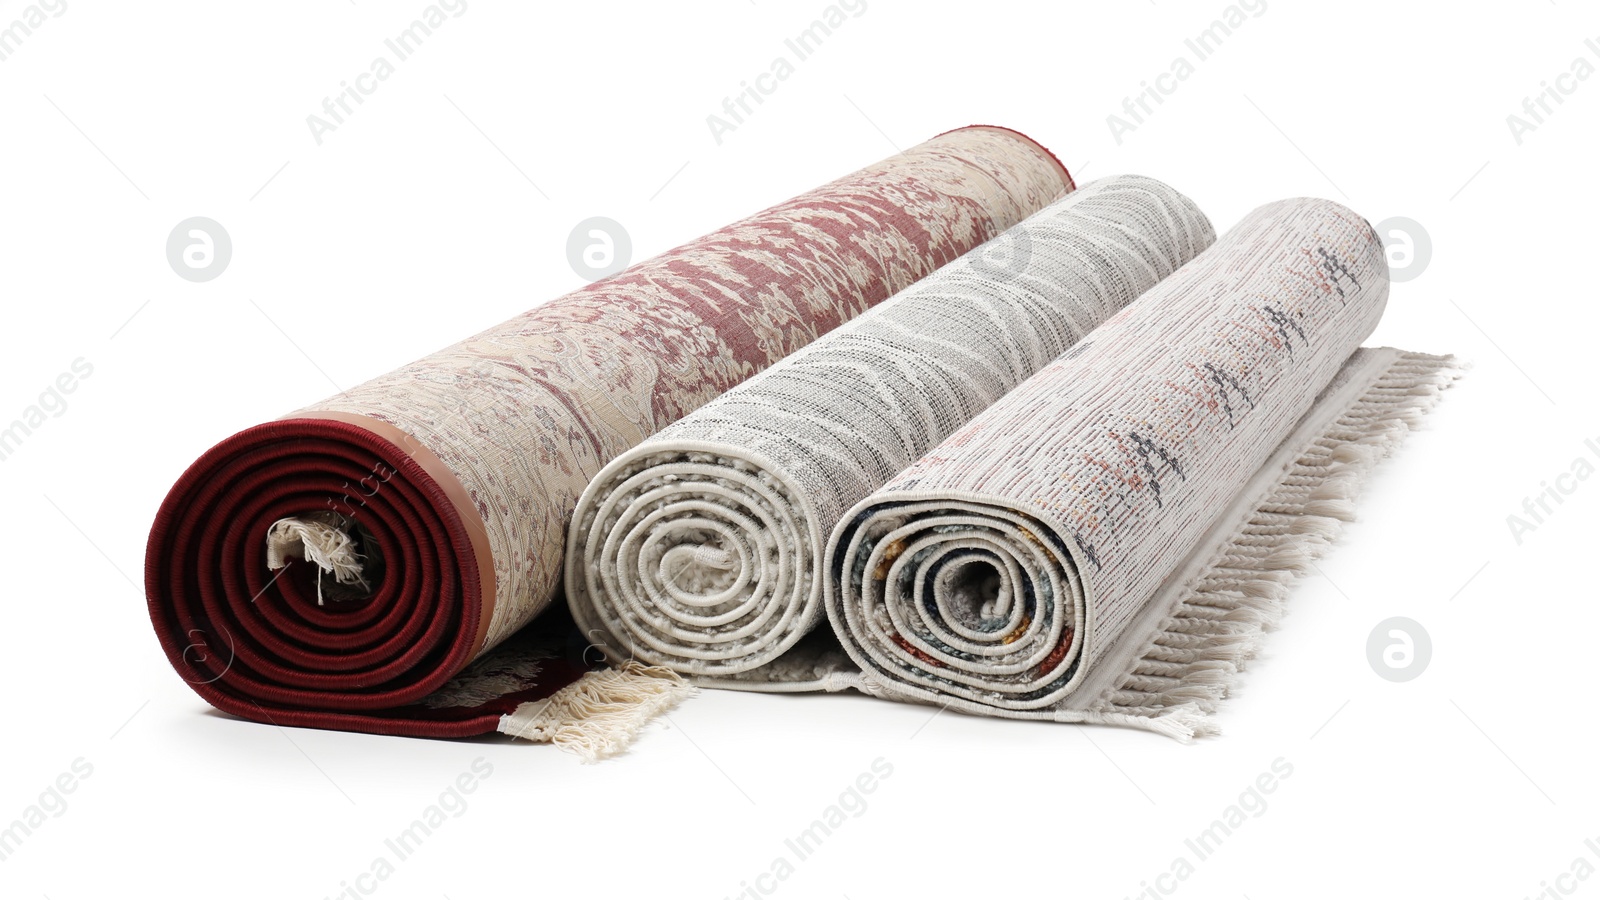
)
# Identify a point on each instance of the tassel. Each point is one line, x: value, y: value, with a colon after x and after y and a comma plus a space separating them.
x: 598, y: 715
x: 1192, y: 661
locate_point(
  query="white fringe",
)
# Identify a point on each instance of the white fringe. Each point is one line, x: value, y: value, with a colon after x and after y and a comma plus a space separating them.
x: 598, y: 715
x: 322, y: 538
x: 1216, y: 626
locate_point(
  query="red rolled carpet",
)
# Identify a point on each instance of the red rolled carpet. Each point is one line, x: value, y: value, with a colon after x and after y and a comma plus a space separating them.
x: 417, y: 521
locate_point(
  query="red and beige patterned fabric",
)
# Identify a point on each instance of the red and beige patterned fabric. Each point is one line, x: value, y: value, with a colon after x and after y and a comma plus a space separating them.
x: 451, y: 479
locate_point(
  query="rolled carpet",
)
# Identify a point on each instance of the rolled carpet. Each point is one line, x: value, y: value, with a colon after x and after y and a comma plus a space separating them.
x: 701, y: 548
x: 341, y: 567
x: 1107, y: 542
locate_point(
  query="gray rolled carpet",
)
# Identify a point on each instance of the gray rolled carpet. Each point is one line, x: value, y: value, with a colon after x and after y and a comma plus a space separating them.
x: 701, y: 548
x: 1109, y: 541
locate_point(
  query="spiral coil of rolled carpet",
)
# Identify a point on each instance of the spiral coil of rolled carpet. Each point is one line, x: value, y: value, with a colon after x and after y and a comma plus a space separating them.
x: 417, y: 520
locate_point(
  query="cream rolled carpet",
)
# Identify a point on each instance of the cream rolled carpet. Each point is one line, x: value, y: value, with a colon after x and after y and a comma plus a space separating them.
x: 1105, y: 543
x: 701, y: 549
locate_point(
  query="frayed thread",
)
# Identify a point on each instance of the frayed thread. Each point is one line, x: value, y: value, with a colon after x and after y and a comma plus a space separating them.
x: 1215, y: 627
x: 599, y: 715
x: 322, y: 538
x: 1183, y: 722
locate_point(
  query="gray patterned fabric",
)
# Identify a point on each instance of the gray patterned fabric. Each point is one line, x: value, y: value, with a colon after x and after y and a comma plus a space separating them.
x: 1001, y: 566
x: 1106, y: 543
x: 701, y: 549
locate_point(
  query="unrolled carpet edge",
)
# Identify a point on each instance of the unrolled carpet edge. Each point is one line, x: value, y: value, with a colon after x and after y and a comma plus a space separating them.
x: 1210, y: 633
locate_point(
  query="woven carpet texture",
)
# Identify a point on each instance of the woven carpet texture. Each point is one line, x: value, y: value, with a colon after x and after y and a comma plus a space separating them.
x: 701, y: 549
x: 417, y: 521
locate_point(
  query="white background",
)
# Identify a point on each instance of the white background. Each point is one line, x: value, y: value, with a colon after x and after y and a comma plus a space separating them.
x: 443, y: 206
